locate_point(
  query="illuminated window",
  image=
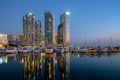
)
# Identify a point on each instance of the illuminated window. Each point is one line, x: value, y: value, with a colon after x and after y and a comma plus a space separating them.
x: 49, y: 19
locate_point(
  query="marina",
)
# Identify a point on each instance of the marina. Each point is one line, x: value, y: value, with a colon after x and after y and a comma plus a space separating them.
x: 74, y: 40
x: 60, y: 49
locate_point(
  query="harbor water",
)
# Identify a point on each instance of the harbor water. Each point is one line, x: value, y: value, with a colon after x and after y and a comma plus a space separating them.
x: 56, y: 66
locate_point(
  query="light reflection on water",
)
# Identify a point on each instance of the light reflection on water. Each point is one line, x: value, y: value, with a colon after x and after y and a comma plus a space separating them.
x: 35, y: 66
x: 67, y: 66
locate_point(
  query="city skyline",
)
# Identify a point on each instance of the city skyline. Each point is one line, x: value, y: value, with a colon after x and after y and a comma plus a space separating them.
x: 89, y: 19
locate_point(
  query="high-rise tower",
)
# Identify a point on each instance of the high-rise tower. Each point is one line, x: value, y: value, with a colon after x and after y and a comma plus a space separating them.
x: 49, y: 28
x: 64, y: 20
x: 38, y: 32
x: 28, y: 29
x: 60, y: 35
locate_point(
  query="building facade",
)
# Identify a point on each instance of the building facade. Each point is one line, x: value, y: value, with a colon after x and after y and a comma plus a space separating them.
x: 28, y: 29
x: 38, y: 32
x: 60, y: 35
x: 49, y: 28
x: 21, y: 39
x: 3, y: 39
x: 64, y: 20
x: 12, y: 39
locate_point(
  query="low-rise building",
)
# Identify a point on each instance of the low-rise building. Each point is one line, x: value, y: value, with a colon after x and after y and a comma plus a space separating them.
x: 3, y: 39
x: 12, y: 39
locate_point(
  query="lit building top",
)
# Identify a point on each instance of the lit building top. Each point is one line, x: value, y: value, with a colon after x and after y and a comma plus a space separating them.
x: 64, y: 20
x: 28, y: 29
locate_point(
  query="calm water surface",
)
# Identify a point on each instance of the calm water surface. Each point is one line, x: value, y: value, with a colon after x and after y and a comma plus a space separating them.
x: 68, y: 66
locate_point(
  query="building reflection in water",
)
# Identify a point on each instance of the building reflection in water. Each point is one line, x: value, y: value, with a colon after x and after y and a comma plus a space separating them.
x: 43, y: 66
x: 64, y: 66
x: 3, y: 59
x: 8, y: 58
x: 50, y: 66
x: 32, y: 66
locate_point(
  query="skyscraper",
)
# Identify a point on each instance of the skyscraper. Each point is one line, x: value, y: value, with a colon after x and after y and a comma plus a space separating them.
x: 49, y: 28
x: 38, y: 32
x: 60, y: 35
x: 28, y: 29
x: 64, y: 20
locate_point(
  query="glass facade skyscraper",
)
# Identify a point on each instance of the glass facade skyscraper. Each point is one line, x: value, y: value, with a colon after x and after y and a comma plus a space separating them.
x: 38, y: 32
x: 49, y: 28
x: 64, y: 20
x: 60, y: 35
x: 28, y: 29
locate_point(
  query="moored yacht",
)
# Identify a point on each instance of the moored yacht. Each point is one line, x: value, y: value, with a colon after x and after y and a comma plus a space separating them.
x: 83, y: 50
x: 66, y: 49
x: 25, y: 50
x: 36, y: 50
x: 49, y: 50
x: 60, y: 49
x: 11, y: 50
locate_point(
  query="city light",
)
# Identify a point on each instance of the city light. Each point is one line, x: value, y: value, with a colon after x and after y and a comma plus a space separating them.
x: 67, y: 12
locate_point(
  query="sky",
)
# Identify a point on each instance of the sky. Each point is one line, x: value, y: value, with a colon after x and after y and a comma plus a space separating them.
x: 89, y: 19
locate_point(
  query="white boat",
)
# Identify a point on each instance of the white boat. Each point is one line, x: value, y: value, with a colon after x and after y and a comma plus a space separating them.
x: 60, y: 49
x: 36, y: 50
x: 11, y: 50
x: 49, y: 50
x: 25, y: 50
x: 66, y: 49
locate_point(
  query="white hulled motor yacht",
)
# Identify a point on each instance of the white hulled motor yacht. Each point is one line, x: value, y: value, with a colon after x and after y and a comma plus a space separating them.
x: 11, y: 50
x: 49, y: 49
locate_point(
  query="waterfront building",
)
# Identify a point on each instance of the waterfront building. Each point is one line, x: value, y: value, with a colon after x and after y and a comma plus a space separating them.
x: 28, y: 29
x: 64, y: 20
x: 49, y: 28
x: 21, y: 38
x: 60, y: 35
x: 3, y: 39
x: 12, y: 39
x: 38, y: 32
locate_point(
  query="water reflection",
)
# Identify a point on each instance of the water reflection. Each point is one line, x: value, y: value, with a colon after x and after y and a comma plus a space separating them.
x: 3, y: 59
x: 100, y: 59
x: 7, y: 58
x: 43, y: 66
x: 32, y: 66
x: 64, y: 66
x: 56, y: 66
x: 50, y: 66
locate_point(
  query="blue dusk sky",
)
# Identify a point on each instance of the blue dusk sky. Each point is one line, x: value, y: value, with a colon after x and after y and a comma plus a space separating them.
x: 89, y: 19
